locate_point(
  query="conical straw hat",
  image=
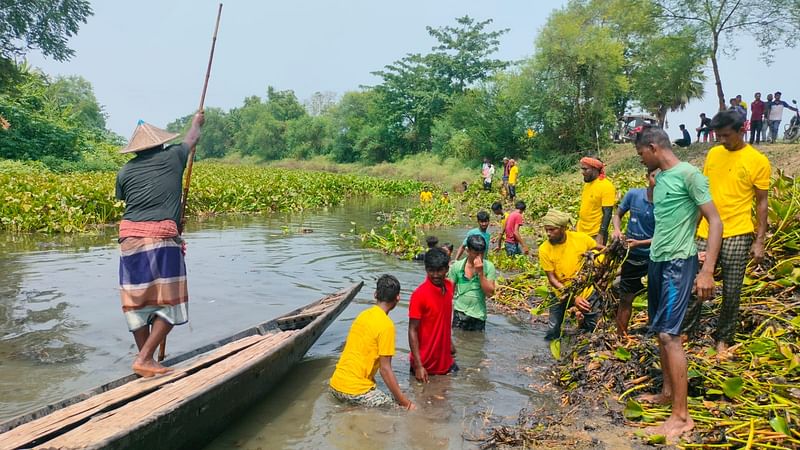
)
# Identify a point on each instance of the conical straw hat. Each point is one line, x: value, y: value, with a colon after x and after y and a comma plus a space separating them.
x: 147, y: 136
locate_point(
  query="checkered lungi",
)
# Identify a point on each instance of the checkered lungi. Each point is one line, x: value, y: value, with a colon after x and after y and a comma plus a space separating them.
x: 733, y: 258
x: 373, y: 398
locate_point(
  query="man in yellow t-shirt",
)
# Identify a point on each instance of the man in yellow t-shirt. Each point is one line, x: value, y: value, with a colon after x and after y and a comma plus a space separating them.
x: 737, y: 174
x: 426, y: 196
x: 370, y: 347
x: 597, y: 200
x: 561, y: 256
x: 513, y: 176
x: 497, y: 209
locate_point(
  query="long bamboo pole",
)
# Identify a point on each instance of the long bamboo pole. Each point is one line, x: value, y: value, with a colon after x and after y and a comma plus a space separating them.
x: 190, y: 162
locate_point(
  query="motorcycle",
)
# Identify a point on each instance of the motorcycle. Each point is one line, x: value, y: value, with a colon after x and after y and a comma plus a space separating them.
x: 791, y: 133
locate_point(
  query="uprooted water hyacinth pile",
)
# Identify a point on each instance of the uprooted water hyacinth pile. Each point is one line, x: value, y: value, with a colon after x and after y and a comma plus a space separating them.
x: 752, y: 398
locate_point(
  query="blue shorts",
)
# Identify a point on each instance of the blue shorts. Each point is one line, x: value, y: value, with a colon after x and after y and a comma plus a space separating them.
x: 513, y: 249
x: 668, y: 293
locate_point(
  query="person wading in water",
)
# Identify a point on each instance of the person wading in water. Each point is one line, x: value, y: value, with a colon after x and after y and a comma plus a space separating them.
x: 152, y: 271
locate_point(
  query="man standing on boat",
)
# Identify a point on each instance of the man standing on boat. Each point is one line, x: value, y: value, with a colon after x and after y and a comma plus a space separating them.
x: 369, y: 348
x: 152, y: 271
x: 429, y: 314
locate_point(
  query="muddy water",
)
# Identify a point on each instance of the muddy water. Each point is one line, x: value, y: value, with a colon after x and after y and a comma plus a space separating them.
x: 62, y: 331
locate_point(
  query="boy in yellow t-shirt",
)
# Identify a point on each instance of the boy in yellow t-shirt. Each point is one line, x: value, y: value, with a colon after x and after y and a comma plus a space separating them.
x: 513, y: 176
x: 737, y: 174
x: 370, y: 347
x: 561, y: 256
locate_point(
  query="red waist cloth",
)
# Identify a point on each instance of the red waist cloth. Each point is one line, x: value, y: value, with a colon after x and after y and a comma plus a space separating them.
x: 157, y: 229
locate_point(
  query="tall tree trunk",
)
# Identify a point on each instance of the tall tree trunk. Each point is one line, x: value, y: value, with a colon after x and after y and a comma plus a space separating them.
x: 662, y: 115
x: 717, y: 79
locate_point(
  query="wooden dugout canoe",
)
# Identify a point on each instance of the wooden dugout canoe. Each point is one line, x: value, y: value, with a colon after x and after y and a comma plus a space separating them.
x: 209, y: 388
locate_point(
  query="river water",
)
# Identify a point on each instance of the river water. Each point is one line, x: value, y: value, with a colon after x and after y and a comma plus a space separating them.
x: 62, y: 331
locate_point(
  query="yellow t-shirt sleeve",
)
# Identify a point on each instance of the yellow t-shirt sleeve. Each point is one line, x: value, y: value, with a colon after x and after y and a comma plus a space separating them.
x: 761, y: 172
x: 588, y: 242
x: 386, y: 341
x: 609, y: 196
x: 544, y: 259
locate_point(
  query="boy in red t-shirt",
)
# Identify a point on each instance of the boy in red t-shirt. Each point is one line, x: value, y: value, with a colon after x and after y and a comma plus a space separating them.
x: 430, y: 312
x: 514, y: 243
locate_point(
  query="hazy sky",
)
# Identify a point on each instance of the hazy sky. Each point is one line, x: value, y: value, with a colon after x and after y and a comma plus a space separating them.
x: 147, y: 59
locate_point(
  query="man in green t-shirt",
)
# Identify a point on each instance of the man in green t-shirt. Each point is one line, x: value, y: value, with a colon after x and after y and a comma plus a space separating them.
x: 473, y: 278
x: 482, y: 230
x: 681, y: 195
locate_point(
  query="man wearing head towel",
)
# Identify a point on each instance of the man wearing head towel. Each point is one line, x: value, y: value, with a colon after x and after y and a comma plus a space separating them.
x: 561, y: 257
x: 597, y: 200
x: 152, y: 272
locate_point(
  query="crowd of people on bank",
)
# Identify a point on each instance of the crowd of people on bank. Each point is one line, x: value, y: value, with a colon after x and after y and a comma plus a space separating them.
x: 762, y: 119
x: 680, y: 227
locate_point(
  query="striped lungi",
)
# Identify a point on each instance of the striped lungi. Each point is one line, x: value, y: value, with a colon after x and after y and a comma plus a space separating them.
x: 152, y: 281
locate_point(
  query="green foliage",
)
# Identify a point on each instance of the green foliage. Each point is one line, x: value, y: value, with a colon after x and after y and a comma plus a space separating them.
x: 38, y: 199
x: 76, y: 95
x: 670, y: 74
x: 59, y: 123
x: 573, y: 80
x: 40, y: 24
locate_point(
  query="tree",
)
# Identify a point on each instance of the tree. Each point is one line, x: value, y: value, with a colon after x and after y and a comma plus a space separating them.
x: 573, y: 80
x: 773, y: 24
x: 670, y: 74
x: 418, y: 88
x: 283, y: 105
x: 462, y: 56
x: 46, y: 25
x: 76, y: 94
x: 320, y: 103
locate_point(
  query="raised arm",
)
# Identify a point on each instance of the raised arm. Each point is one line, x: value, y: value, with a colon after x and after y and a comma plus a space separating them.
x: 194, y: 132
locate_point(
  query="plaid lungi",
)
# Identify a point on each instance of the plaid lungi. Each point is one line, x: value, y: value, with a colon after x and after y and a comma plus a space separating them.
x: 152, y: 281
x: 733, y: 258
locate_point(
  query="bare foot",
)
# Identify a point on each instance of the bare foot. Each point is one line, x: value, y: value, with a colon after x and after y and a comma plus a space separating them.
x: 655, y: 399
x: 149, y: 368
x: 673, y: 428
x: 722, y: 351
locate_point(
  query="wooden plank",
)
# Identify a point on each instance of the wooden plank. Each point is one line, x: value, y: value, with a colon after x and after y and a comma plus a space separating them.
x: 73, y: 414
x: 102, y: 429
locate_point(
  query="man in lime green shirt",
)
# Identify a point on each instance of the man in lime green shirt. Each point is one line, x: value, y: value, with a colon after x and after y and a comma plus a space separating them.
x: 680, y: 197
x: 474, y: 279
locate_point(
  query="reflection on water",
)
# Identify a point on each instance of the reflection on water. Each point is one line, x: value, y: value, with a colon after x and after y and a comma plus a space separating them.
x: 62, y: 330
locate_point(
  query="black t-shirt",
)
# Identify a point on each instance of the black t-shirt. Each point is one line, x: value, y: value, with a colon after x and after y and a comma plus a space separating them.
x: 151, y: 184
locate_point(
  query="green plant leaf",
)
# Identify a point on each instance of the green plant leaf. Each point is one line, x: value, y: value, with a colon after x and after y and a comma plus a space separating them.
x: 633, y: 410
x: 622, y: 354
x: 555, y: 348
x: 779, y: 424
x: 732, y: 387
x: 657, y: 439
